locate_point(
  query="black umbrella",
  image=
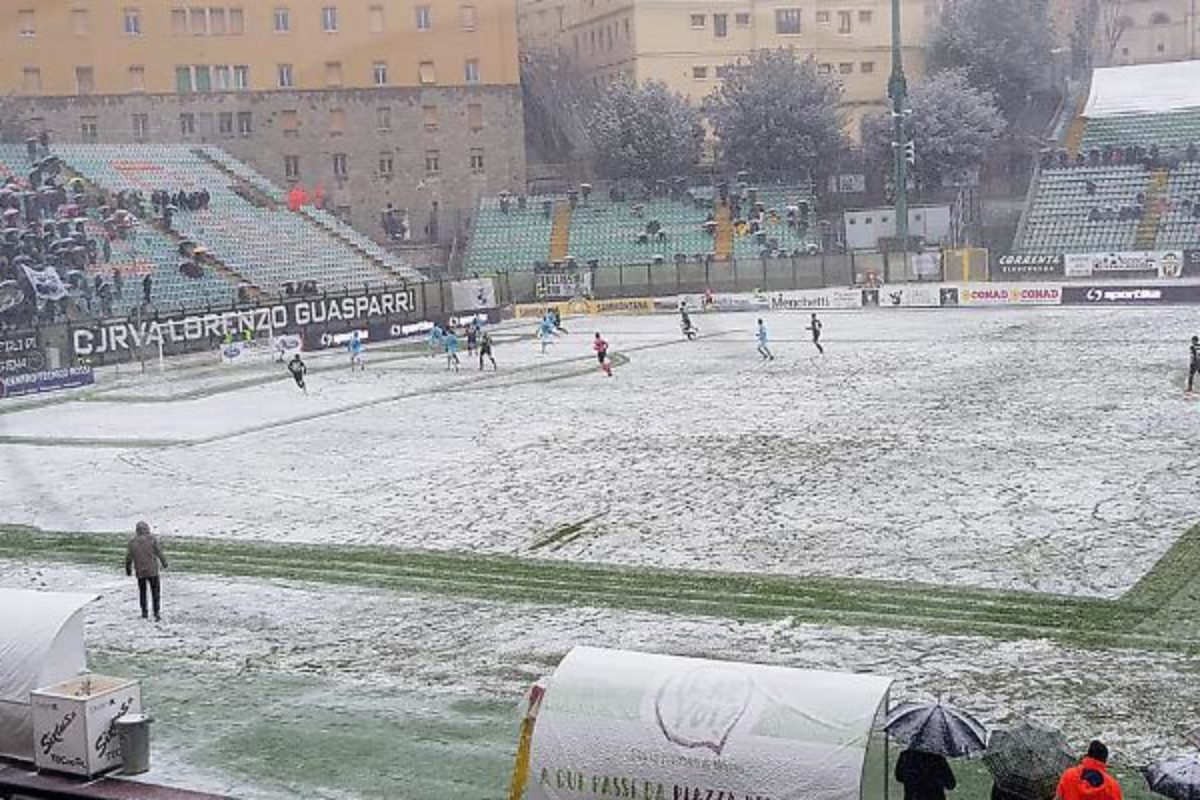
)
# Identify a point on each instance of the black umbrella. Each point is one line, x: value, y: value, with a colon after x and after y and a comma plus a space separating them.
x: 937, y: 728
x: 1177, y: 778
x: 1028, y: 759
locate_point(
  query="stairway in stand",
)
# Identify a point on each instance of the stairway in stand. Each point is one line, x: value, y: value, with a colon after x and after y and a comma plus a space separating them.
x: 723, y: 247
x: 1152, y: 211
x: 560, y: 232
x: 1075, y: 136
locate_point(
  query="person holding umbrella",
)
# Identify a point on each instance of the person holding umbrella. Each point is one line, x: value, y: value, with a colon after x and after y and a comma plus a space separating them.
x: 932, y: 731
x: 924, y: 776
x: 1089, y: 780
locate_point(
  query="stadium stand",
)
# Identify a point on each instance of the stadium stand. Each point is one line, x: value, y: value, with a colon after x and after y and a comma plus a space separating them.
x: 509, y: 235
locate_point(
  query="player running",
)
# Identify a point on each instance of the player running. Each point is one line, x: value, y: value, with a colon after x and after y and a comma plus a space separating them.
x: 601, y: 348
x: 355, y: 346
x: 556, y: 315
x: 451, y: 340
x: 764, y: 352
x: 298, y: 369
x: 485, y: 350
x: 546, y: 331
x: 685, y: 323
x: 472, y: 335
x: 1195, y: 362
x: 815, y: 326
x: 436, y: 340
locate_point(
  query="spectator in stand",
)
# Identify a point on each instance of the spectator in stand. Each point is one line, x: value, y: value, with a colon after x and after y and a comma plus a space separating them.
x: 1089, y: 780
x: 118, y: 281
x: 143, y: 555
x: 147, y: 286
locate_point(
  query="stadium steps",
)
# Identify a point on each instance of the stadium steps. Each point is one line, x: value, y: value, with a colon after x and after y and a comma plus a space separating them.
x: 258, y: 197
x: 723, y: 249
x: 560, y: 232
x: 1152, y: 211
x: 227, y: 273
x: 1075, y: 136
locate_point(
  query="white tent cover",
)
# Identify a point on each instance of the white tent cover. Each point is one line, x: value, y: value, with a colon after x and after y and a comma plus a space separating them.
x: 615, y: 721
x: 41, y: 642
x: 1144, y: 89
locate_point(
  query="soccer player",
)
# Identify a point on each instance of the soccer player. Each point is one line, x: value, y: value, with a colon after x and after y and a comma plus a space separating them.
x: 451, y: 349
x: 1195, y: 362
x: 815, y: 326
x: 472, y: 335
x: 545, y: 331
x: 298, y: 369
x: 556, y: 315
x: 764, y: 352
x: 601, y: 348
x: 685, y: 323
x: 355, y: 346
x: 435, y: 340
x: 485, y: 350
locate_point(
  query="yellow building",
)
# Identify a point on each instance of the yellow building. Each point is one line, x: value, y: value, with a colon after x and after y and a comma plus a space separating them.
x: 688, y: 44
x: 415, y: 103
x: 1145, y: 31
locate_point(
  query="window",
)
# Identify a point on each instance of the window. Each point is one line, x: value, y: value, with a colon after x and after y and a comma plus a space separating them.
x: 824, y: 69
x: 476, y: 160
x: 866, y: 67
x: 141, y: 126
x: 467, y: 18
x: 198, y: 21
x: 429, y: 117
x: 25, y: 22
x: 433, y: 162
x: 720, y: 25
x: 203, y: 78
x: 843, y: 22
x: 225, y: 123
x: 283, y: 19
x: 475, y: 116
x: 187, y: 125
x: 237, y: 21
x: 698, y: 20
x: 722, y: 72
x: 1160, y: 18
x: 383, y: 118
x: 333, y: 73
x: 31, y: 80
x: 241, y: 77
x: 337, y: 122
x: 426, y: 74
x: 866, y: 17
x: 178, y: 21
x: 245, y: 123
x: 700, y: 73
x: 216, y: 21
x: 787, y: 20
x: 472, y: 71
x: 822, y: 17
x: 133, y: 22
x: 183, y: 80
x: 376, y: 16
x: 137, y: 78
x: 329, y: 19
x: 85, y: 80
x: 79, y: 21
x: 221, y: 81
x: 341, y: 167
x: 88, y: 129
x: 742, y: 20
x: 291, y: 167
x: 285, y: 76
x: 845, y: 68
x: 289, y: 122
x: 379, y: 73
x: 386, y: 165
x: 424, y: 18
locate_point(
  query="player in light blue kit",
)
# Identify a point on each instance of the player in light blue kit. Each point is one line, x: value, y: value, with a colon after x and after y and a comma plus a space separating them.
x: 763, y: 351
x: 356, y: 348
x: 435, y: 340
x: 451, y: 341
x: 546, y: 331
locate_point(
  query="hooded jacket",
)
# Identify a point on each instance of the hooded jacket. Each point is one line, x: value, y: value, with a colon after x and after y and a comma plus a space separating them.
x: 1088, y: 781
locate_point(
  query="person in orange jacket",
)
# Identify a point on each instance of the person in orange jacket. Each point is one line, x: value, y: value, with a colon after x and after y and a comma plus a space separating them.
x: 1089, y: 780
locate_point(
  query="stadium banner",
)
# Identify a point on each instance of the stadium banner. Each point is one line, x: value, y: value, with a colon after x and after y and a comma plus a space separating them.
x: 477, y: 294
x: 257, y: 351
x: 1168, y: 294
x: 20, y: 353
x: 1016, y: 294
x: 295, y: 315
x: 562, y: 284
x: 1191, y: 262
x: 628, y: 305
x: 1129, y: 264
x: 48, y: 381
x: 917, y: 295
x: 1028, y: 265
x: 816, y: 299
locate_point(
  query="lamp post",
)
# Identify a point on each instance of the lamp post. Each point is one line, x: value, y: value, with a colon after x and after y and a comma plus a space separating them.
x: 902, y: 148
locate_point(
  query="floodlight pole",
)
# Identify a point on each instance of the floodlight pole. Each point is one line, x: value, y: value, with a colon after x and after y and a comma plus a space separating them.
x: 898, y: 92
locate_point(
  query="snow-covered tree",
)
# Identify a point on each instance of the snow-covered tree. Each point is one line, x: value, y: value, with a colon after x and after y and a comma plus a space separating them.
x: 646, y: 132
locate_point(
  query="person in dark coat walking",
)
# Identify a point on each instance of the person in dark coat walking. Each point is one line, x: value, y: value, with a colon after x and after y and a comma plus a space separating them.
x: 925, y: 776
x: 143, y: 556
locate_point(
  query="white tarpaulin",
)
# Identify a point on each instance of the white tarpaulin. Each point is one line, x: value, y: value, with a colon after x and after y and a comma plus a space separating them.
x: 41, y: 643
x: 620, y: 724
x: 1144, y: 89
